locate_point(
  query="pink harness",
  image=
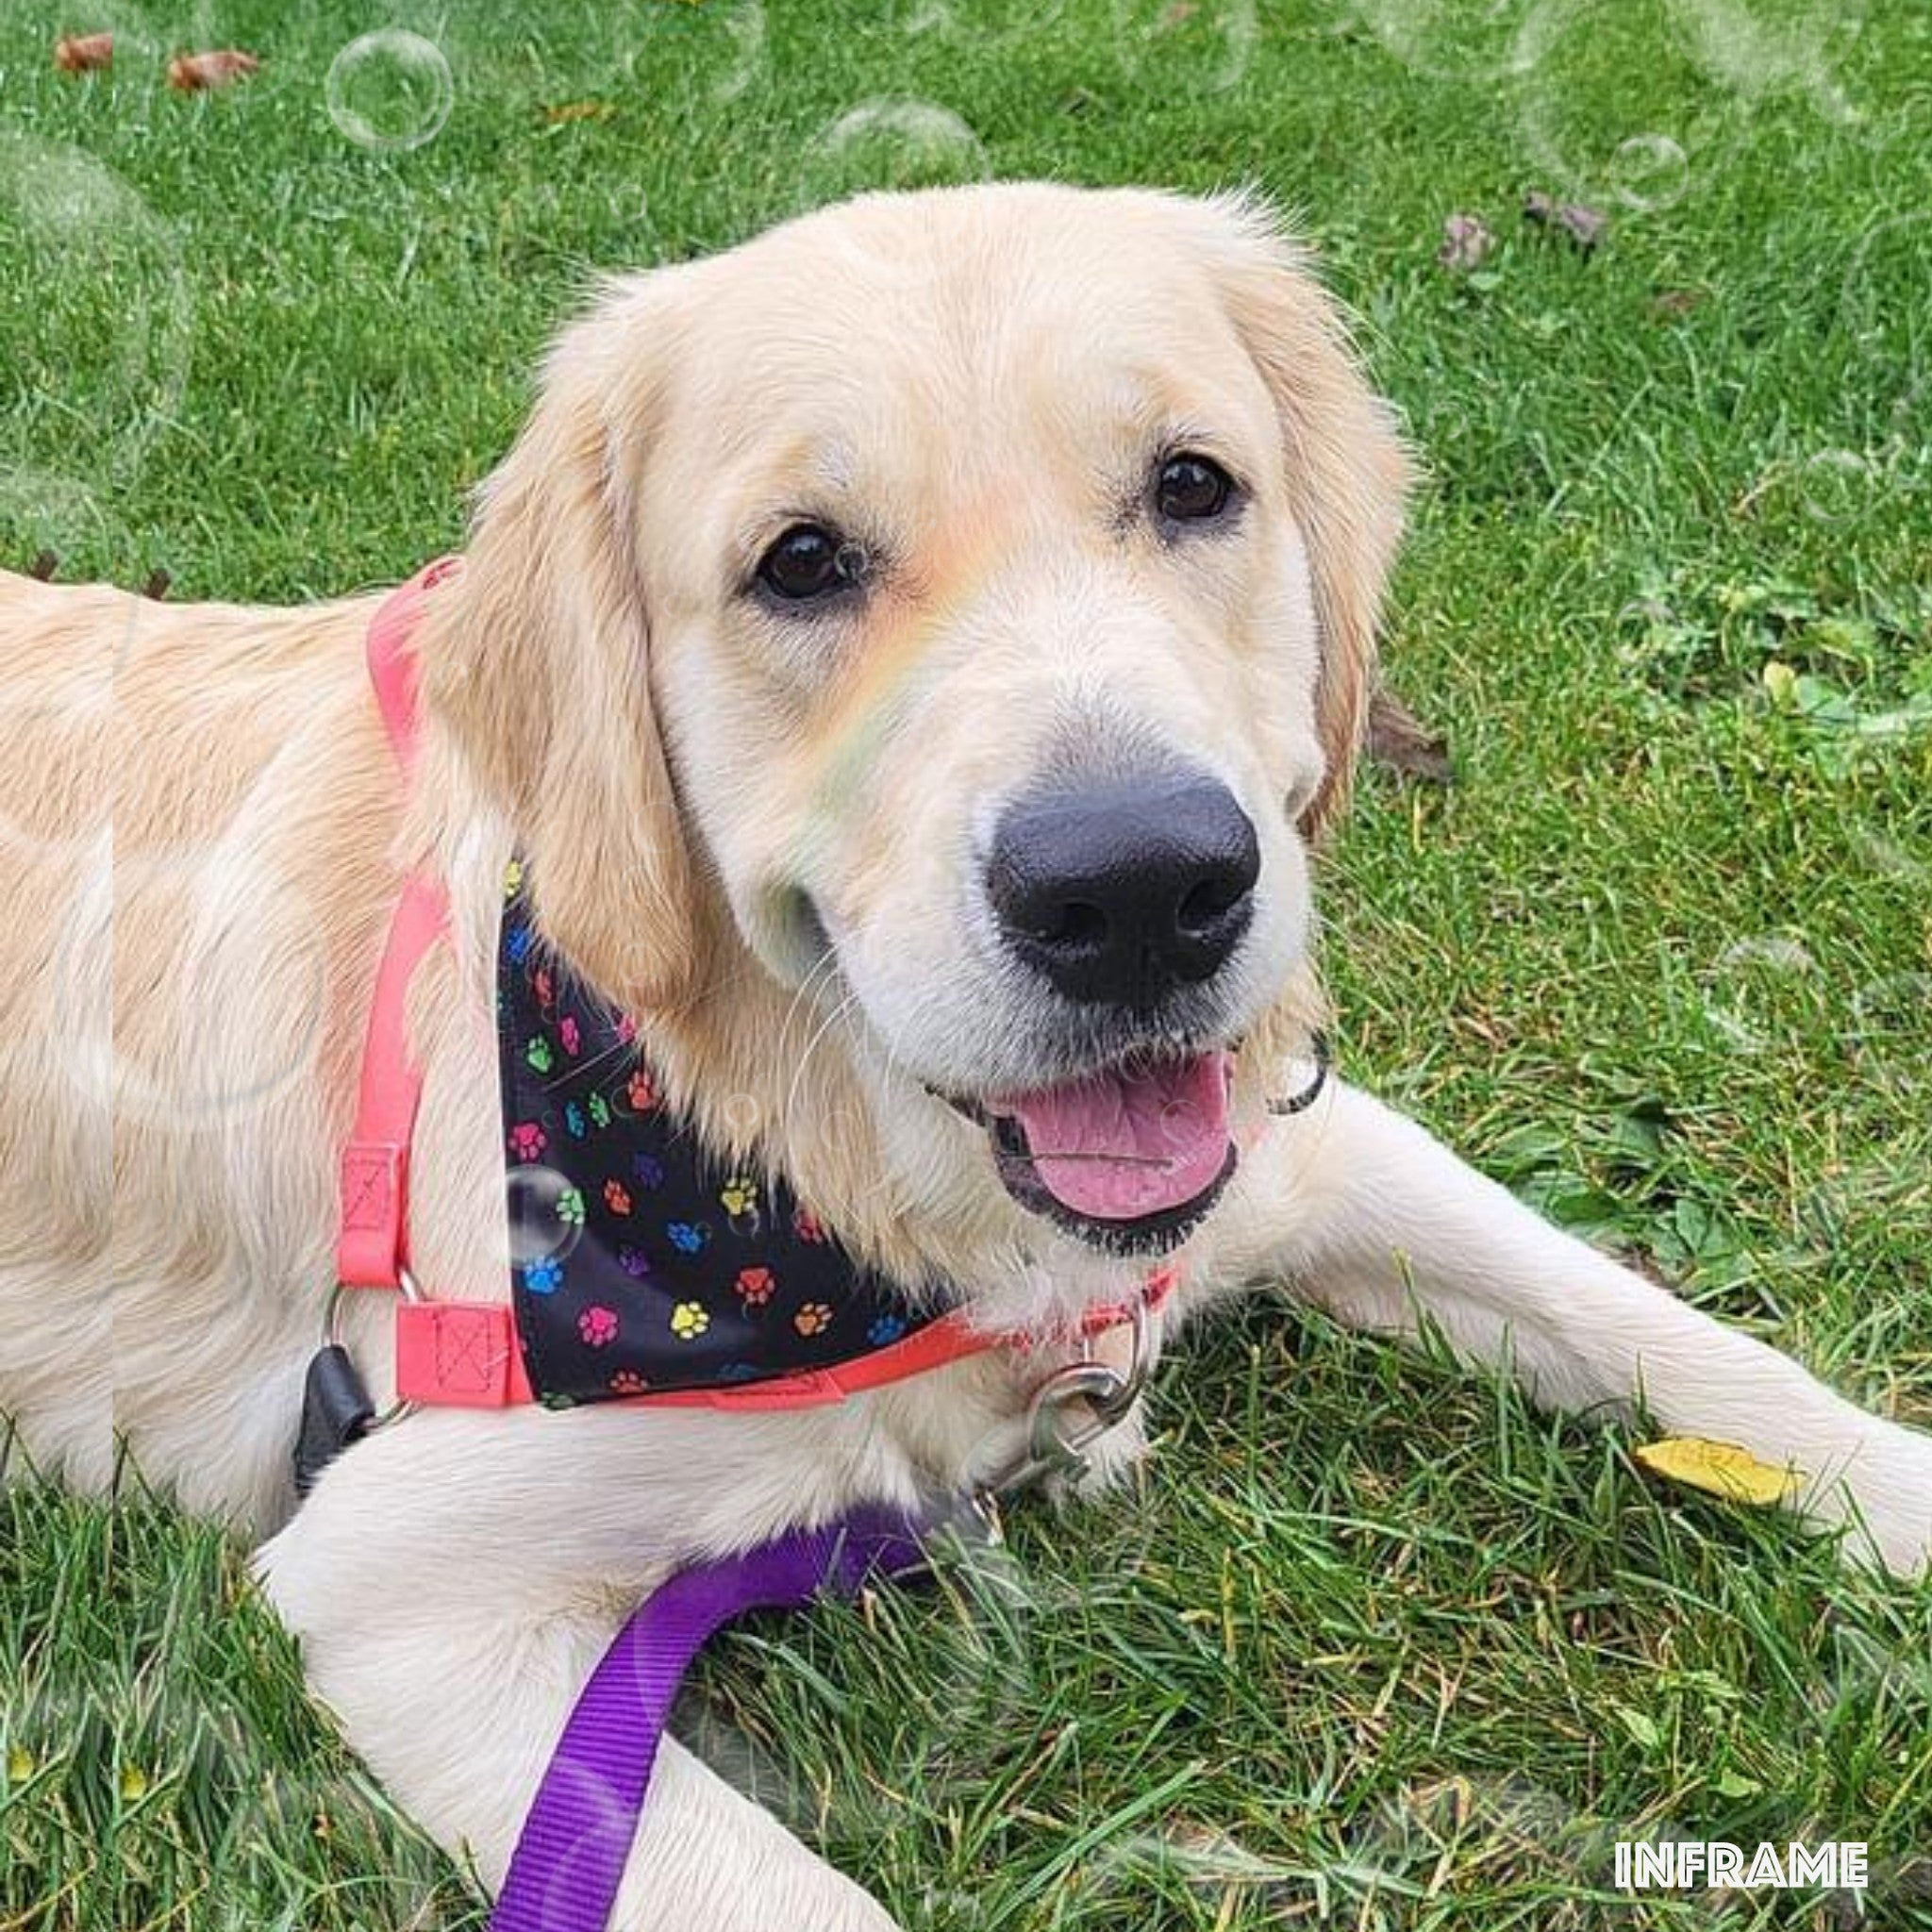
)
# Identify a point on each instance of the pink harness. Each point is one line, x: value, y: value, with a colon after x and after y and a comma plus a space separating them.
x: 464, y: 1354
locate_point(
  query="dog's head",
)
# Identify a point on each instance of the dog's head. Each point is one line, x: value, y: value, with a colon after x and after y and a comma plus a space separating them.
x: 959, y: 609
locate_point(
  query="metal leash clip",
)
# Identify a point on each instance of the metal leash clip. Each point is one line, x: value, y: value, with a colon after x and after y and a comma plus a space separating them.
x: 1059, y: 1435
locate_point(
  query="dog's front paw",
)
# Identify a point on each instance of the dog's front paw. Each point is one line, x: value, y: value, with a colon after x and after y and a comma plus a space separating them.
x: 1885, y: 1496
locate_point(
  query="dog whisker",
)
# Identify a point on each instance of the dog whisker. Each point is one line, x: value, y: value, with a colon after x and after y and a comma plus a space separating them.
x: 811, y: 1046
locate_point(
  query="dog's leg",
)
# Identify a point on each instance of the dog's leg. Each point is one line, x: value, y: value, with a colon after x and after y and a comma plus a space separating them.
x: 451, y: 1646
x: 1376, y: 1221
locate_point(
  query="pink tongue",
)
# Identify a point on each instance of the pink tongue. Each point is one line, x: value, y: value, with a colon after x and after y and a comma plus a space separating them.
x: 1122, y: 1145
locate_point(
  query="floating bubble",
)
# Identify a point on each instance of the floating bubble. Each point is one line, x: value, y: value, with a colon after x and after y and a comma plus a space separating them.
x: 1760, y: 48
x: 1892, y: 264
x: 48, y: 512
x: 1738, y: 966
x: 106, y: 340
x: 1586, y: 75
x: 1886, y: 854
x: 242, y: 1047
x: 1448, y: 39
x: 1395, y: 1845
x: 1836, y: 485
x: 985, y: 25
x: 389, y: 91
x: 546, y: 1214
x: 1846, y: 1198
x: 891, y: 144
x: 745, y: 25
x: 1203, y: 45
x: 979, y: 1680
x: 1649, y: 172
x: 1890, y: 1035
x: 1883, y: 300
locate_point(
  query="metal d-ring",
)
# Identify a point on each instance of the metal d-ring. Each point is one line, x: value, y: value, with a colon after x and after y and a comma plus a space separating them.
x: 332, y: 1337
x: 1057, y: 1442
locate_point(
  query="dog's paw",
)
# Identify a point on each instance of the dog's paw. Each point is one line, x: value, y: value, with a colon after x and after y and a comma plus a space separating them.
x: 1885, y: 1499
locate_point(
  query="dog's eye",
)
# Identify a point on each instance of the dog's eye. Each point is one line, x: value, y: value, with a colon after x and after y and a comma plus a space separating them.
x: 1191, y: 490
x: 807, y: 561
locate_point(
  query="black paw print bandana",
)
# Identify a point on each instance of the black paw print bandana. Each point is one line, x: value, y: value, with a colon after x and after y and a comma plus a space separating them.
x: 639, y: 1262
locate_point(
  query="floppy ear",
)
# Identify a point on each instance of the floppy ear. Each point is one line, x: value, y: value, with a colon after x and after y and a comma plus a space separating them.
x: 537, y: 661
x: 1347, y: 471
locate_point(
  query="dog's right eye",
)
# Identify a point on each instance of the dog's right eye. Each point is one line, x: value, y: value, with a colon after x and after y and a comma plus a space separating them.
x: 808, y: 562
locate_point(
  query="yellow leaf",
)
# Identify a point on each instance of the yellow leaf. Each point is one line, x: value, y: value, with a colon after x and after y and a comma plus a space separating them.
x: 1719, y: 1469
x: 133, y: 1784
x: 1780, y: 680
x: 20, y: 1766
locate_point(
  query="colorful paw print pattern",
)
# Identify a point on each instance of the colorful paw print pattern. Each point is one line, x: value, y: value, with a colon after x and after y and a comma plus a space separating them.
x: 686, y: 1271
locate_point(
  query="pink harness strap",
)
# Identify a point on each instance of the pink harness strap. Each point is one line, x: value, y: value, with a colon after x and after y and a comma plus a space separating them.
x: 371, y: 1245
x: 465, y: 1354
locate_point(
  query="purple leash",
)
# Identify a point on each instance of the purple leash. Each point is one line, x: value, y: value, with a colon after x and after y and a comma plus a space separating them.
x: 564, y: 1873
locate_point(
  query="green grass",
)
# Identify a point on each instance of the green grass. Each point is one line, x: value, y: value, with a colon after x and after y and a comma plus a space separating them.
x: 1373, y: 1646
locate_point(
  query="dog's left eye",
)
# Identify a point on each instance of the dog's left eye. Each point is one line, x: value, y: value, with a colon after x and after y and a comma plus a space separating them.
x: 809, y: 561
x: 1191, y: 490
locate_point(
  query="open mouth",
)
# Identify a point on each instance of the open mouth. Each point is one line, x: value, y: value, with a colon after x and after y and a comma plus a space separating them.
x: 1129, y: 1158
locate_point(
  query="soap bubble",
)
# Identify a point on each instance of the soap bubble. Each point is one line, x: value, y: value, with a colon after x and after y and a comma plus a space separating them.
x: 745, y: 25
x: 1202, y: 46
x: 539, y: 1227
x: 1447, y: 39
x: 891, y: 143
x: 1649, y: 172
x: 1890, y: 1035
x: 1763, y: 48
x: 1885, y: 854
x: 1744, y: 991
x: 389, y: 91
x: 236, y: 1055
x: 102, y: 353
x: 1836, y: 485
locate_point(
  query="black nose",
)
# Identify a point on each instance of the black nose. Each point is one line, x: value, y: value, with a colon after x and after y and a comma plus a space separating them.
x: 1122, y: 890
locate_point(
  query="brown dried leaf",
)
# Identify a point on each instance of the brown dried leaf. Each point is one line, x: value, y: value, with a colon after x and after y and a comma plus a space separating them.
x: 84, y: 53
x: 580, y: 111
x: 1584, y: 225
x: 1466, y: 241
x: 1675, y: 302
x: 192, y: 73
x: 1398, y: 738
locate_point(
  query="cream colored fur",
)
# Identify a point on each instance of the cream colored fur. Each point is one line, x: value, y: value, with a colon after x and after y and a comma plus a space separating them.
x: 203, y: 824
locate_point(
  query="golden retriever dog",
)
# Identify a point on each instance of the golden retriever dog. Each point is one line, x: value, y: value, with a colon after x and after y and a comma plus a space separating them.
x: 914, y: 655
